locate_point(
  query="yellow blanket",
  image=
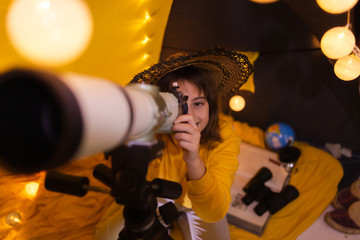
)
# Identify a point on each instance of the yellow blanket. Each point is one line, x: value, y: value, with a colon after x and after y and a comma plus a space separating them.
x: 316, y: 176
x: 50, y: 215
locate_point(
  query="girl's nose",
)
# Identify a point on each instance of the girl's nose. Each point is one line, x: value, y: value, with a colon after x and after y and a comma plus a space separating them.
x: 190, y: 112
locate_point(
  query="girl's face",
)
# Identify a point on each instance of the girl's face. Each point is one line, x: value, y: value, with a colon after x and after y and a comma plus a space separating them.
x: 198, y: 106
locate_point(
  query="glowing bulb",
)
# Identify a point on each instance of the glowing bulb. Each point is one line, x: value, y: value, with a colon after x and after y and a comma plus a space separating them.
x: 337, y: 42
x: 147, y: 16
x: 347, y: 68
x: 145, y: 56
x: 146, y: 39
x: 31, y: 189
x: 49, y: 32
x: 336, y: 6
x: 264, y: 1
x: 237, y: 103
x: 13, y: 219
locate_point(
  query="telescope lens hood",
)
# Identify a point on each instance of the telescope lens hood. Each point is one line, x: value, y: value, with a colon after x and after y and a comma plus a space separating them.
x: 38, y: 129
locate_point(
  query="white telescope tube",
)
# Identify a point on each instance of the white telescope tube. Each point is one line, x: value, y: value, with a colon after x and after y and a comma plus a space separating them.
x: 47, y: 119
x: 105, y: 110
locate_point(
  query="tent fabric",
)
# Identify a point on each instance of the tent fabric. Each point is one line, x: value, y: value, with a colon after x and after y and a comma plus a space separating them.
x: 52, y: 215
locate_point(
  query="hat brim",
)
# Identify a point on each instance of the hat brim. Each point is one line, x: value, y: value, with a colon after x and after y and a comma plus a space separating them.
x: 228, y: 69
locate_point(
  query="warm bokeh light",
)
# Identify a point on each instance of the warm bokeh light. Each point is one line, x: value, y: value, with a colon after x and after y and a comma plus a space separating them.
x: 237, y: 103
x: 145, y: 56
x: 13, y: 219
x: 347, y: 68
x: 337, y: 42
x: 49, y: 32
x: 31, y: 189
x: 336, y: 6
x: 145, y: 40
x: 264, y: 1
x: 147, y: 17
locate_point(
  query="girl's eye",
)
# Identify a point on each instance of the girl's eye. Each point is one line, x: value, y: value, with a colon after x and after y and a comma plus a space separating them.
x: 198, y: 104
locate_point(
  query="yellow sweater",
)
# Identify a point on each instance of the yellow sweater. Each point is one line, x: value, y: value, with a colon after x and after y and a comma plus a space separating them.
x: 209, y: 196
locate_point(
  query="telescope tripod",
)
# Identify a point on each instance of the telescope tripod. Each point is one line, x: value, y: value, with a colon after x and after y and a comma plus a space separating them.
x: 129, y: 187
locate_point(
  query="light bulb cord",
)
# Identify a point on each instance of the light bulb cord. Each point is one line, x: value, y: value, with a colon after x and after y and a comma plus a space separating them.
x: 356, y: 51
x: 348, y: 23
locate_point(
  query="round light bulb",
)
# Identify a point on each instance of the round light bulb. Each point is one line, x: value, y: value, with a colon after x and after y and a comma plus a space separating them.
x: 337, y: 42
x: 336, y: 6
x: 13, y: 219
x: 237, y: 103
x: 31, y: 189
x: 49, y: 32
x: 264, y: 1
x: 347, y: 68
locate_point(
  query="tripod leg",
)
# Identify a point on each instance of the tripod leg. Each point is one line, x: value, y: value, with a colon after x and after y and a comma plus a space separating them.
x: 142, y: 224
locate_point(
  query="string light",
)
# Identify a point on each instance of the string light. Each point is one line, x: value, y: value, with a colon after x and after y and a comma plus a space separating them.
x: 336, y: 6
x: 147, y: 17
x: 264, y: 1
x: 340, y: 43
x: 237, y: 103
x: 49, y: 32
x: 13, y: 219
x: 146, y: 39
x: 347, y: 68
x: 145, y: 56
x: 31, y: 189
x: 337, y: 42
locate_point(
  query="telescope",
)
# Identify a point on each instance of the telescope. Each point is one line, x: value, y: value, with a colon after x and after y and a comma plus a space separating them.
x: 48, y: 119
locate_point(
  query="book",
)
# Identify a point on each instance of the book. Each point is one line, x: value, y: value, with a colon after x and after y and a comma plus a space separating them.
x: 251, y: 160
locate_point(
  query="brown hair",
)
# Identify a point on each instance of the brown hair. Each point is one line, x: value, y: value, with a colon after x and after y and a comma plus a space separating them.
x: 202, y: 80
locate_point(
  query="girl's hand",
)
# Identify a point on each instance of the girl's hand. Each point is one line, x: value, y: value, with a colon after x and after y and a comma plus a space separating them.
x: 188, y: 136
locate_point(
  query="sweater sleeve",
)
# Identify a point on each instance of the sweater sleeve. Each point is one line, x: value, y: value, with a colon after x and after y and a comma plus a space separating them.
x: 210, y: 195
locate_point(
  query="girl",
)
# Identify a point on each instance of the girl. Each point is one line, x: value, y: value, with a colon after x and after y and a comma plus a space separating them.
x: 201, y: 154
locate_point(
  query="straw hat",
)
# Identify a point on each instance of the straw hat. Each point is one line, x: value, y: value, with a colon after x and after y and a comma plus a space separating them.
x: 228, y: 69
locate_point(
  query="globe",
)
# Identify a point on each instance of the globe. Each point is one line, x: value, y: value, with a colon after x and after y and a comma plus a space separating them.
x: 279, y: 135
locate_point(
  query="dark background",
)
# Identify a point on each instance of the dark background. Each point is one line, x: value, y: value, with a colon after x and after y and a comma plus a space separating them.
x: 294, y: 81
